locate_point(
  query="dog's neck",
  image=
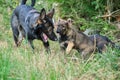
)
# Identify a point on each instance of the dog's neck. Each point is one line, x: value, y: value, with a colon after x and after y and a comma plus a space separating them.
x: 69, y: 32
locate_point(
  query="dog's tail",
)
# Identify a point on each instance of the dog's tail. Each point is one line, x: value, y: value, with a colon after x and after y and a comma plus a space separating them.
x: 23, y: 2
x: 113, y: 44
x: 117, y: 47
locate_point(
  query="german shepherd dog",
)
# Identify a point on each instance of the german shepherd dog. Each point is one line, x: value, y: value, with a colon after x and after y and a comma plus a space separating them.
x: 27, y: 22
x: 71, y: 38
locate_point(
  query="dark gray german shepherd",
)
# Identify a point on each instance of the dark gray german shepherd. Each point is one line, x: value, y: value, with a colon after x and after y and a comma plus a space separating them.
x: 102, y: 42
x: 27, y: 22
x: 73, y: 39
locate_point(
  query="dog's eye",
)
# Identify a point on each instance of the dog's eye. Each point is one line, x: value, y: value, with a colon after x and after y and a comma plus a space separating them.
x: 50, y: 29
x: 58, y: 25
x: 63, y: 28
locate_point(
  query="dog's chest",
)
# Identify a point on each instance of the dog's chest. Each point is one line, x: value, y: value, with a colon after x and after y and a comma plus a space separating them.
x: 63, y: 38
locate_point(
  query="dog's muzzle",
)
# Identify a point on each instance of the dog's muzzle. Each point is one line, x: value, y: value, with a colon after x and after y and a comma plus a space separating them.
x: 58, y: 31
x: 56, y: 39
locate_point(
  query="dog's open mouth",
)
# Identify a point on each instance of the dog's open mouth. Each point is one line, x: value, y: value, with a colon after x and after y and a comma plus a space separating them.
x: 44, y: 37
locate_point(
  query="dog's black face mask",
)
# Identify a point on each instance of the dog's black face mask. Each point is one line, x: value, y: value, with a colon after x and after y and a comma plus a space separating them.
x: 61, y: 29
x: 45, y: 30
x: 48, y: 29
x: 40, y: 34
x: 45, y: 26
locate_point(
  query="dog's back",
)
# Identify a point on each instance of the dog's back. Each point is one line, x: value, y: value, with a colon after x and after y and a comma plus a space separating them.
x: 22, y: 14
x: 101, y: 42
x: 22, y: 9
x: 83, y: 44
x: 82, y: 41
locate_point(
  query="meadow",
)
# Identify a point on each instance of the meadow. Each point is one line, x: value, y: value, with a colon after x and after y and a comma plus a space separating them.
x: 20, y: 63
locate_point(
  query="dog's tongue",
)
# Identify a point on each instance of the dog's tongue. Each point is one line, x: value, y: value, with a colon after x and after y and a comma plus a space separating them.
x: 45, y: 38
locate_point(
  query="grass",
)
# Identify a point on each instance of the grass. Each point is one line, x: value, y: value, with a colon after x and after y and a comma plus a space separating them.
x: 21, y: 64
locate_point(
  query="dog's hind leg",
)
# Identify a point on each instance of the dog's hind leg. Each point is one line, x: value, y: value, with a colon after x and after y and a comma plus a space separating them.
x: 15, y: 39
x: 86, y: 53
x: 20, y: 37
x: 14, y: 25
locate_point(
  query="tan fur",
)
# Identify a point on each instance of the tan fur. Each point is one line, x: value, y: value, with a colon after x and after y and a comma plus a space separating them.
x: 69, y: 47
x: 39, y: 22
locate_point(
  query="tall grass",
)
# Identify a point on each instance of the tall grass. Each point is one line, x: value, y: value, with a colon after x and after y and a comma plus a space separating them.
x: 21, y: 64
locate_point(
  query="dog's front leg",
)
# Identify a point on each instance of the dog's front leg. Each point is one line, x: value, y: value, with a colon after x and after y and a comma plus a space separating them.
x: 63, y: 45
x: 31, y: 44
x: 69, y: 47
x: 46, y: 45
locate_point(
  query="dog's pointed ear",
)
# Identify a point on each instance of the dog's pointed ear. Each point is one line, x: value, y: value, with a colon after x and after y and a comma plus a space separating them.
x: 59, y: 20
x: 42, y: 13
x: 51, y: 13
x: 69, y: 21
x: 66, y: 24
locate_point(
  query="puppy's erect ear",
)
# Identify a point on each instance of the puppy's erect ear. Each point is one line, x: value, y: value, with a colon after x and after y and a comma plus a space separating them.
x: 42, y: 14
x: 65, y: 24
x: 51, y: 13
x: 69, y: 21
x: 59, y: 20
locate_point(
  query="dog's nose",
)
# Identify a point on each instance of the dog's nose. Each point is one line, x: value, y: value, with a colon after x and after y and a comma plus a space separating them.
x: 58, y: 31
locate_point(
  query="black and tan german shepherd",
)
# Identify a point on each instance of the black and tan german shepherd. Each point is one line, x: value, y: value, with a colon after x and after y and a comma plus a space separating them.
x: 27, y: 22
x: 73, y: 39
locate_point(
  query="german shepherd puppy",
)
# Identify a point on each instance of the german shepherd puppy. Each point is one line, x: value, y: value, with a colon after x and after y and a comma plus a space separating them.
x: 71, y: 38
x: 31, y: 24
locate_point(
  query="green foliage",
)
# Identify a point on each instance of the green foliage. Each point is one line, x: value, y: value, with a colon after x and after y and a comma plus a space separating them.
x: 99, y: 5
x: 85, y: 12
x: 5, y: 4
x: 5, y: 65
